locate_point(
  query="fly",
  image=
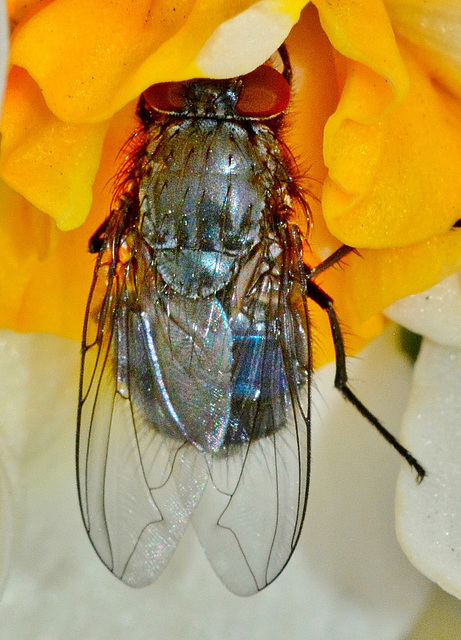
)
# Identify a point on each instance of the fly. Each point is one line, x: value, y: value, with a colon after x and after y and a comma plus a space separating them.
x: 196, y: 358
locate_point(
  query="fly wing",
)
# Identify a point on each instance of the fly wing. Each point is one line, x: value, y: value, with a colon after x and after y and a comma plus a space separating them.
x: 250, y: 516
x: 182, y: 381
x: 139, y: 478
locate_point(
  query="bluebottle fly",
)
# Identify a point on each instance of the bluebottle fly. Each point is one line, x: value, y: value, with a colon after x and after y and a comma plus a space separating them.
x: 197, y: 361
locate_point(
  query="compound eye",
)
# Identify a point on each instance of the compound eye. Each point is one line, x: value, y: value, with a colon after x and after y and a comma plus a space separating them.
x: 265, y: 93
x: 167, y: 97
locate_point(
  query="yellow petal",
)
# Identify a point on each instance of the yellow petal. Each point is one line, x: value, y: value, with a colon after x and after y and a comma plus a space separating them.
x: 315, y: 97
x: 371, y: 92
x: 51, y: 163
x: 376, y: 278
x: 410, y: 189
x: 86, y: 77
x: 433, y: 26
x: 367, y: 283
x: 361, y: 31
x: 54, y: 296
x: 96, y: 56
x: 28, y: 237
x: 45, y: 274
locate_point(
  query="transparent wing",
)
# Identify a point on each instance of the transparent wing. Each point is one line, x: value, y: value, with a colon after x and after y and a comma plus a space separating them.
x: 182, y: 381
x: 250, y: 516
x: 182, y: 409
x: 139, y: 478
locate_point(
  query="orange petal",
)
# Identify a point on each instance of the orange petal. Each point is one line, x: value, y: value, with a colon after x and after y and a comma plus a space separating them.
x: 28, y: 237
x: 45, y: 275
x: 314, y: 98
x: 115, y: 52
x: 51, y: 163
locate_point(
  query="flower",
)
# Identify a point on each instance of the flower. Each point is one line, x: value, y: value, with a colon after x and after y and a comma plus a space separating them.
x: 67, y: 116
x: 375, y: 122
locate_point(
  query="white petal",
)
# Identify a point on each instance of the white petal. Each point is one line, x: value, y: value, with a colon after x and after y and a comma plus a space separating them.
x: 435, y: 313
x: 8, y: 505
x: 26, y: 400
x: 350, y: 523
x: 348, y: 579
x: 429, y: 515
x: 259, y: 30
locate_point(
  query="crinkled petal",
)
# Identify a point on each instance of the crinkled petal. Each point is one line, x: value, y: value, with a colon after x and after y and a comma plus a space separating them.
x: 348, y: 579
x: 27, y: 274
x: 119, y: 49
x: 361, y: 32
x: 373, y: 80
x: 434, y: 27
x: 391, y: 183
x: 45, y: 274
x: 51, y: 163
x: 374, y: 280
x: 315, y: 96
x: 27, y: 238
x: 381, y: 278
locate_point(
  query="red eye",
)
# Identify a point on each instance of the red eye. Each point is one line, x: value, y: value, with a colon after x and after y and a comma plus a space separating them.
x: 264, y: 93
x: 166, y: 96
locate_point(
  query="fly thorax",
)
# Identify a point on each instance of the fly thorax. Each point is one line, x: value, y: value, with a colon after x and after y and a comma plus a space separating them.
x: 202, y: 198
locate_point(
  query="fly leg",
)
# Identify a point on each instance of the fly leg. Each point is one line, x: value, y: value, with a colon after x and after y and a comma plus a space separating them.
x: 96, y: 241
x: 287, y: 72
x: 315, y: 293
x: 335, y: 257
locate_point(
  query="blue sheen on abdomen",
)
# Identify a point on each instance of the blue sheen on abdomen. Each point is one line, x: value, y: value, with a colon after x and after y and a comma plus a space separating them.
x: 260, y: 386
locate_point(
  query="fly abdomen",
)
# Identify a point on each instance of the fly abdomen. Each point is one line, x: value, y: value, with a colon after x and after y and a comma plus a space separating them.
x: 260, y: 392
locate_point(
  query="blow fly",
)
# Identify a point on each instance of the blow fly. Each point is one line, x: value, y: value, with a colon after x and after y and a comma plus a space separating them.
x: 197, y: 360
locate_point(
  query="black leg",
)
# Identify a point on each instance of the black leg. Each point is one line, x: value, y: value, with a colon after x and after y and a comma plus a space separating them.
x: 287, y: 72
x: 96, y: 241
x: 315, y: 293
x: 335, y: 257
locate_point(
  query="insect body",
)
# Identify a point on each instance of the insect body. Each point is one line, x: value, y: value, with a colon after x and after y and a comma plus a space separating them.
x: 194, y: 397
